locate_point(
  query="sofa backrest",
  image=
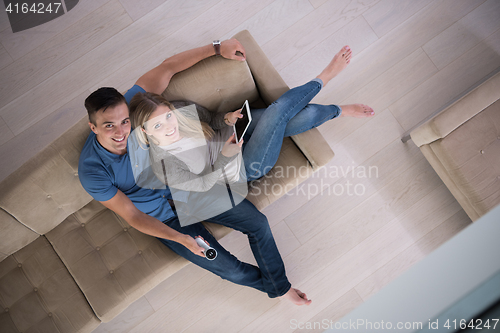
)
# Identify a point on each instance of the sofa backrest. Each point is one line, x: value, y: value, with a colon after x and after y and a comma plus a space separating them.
x: 43, y: 192
x: 218, y: 84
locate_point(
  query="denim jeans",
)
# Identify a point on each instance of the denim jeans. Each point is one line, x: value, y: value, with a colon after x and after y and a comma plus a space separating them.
x: 289, y: 115
x: 269, y: 276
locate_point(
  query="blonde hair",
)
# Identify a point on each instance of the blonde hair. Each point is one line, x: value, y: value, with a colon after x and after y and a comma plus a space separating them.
x: 143, y: 105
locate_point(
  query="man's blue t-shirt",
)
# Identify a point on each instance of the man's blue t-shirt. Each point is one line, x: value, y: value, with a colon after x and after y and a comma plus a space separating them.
x: 103, y: 173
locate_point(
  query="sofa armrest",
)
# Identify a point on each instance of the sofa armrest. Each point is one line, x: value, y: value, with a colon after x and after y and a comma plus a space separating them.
x: 271, y: 86
x: 458, y: 113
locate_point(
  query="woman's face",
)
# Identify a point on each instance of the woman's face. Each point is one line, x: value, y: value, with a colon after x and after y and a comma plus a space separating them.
x: 162, y: 125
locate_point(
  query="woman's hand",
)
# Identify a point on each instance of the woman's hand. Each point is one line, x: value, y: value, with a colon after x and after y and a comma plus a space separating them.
x: 192, y: 246
x: 231, y: 117
x: 231, y: 148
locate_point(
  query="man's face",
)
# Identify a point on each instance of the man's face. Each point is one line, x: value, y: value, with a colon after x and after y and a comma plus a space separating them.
x: 112, y: 128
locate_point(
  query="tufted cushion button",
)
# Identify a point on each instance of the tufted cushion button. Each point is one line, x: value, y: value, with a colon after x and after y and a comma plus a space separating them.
x: 49, y: 314
x: 76, y: 174
x: 48, y: 196
x: 19, y: 265
x: 83, y: 225
x: 481, y: 151
x: 97, y: 248
x: 6, y: 309
x: 125, y: 229
x: 140, y: 252
x: 35, y: 290
x: 111, y: 272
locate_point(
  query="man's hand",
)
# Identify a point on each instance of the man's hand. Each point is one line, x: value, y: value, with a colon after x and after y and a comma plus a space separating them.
x: 228, y: 49
x: 192, y: 246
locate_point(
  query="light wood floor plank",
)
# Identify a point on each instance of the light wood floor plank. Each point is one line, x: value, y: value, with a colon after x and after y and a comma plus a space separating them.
x: 317, y: 3
x: 388, y: 14
x: 333, y: 312
x: 60, y: 51
x: 137, y: 9
x: 465, y: 34
x: 413, y: 254
x: 5, y: 132
x: 396, y: 45
x: 4, y: 19
x: 23, y: 42
x: 317, y: 213
x: 273, y: 19
x: 95, y: 67
x: 357, y: 34
x: 344, y: 231
x: 285, y: 239
x: 202, y: 28
x: 339, y: 276
x: 235, y: 313
x: 5, y: 58
x: 395, y: 82
x: 318, y: 25
x: 128, y: 319
x: 432, y: 95
x: 26, y: 144
x: 175, y: 285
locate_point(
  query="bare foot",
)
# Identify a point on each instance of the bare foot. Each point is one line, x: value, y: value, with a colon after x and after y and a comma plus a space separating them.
x: 338, y: 63
x: 356, y: 111
x: 296, y: 297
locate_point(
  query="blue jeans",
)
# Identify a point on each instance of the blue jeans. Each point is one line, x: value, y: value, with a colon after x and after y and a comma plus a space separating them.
x: 289, y: 115
x: 269, y: 276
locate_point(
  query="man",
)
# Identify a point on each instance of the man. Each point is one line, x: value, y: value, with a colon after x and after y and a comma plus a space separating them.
x: 106, y: 173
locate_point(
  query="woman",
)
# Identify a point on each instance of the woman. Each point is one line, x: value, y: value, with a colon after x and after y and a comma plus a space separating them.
x: 182, y: 158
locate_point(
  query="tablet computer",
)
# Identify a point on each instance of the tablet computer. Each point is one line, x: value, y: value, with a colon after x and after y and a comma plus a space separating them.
x: 241, y: 125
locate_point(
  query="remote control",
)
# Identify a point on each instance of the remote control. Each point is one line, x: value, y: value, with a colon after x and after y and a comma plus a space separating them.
x: 210, y: 252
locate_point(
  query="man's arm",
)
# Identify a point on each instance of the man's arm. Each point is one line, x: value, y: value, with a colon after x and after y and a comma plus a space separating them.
x: 123, y: 206
x: 157, y: 79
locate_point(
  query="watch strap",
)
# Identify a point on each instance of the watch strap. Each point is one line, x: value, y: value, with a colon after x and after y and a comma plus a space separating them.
x: 216, y: 44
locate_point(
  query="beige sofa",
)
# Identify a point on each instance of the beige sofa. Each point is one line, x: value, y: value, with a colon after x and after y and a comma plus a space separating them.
x: 66, y: 262
x: 462, y: 143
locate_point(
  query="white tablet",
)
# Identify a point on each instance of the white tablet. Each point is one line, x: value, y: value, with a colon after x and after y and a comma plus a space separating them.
x: 243, y: 123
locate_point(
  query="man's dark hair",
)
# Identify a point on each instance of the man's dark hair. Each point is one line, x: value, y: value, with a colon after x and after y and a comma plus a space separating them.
x: 102, y: 98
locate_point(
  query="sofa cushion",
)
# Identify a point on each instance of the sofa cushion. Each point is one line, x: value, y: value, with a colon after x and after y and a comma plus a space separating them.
x: 37, y: 293
x: 48, y: 184
x: 112, y: 263
x: 471, y: 156
x: 218, y: 84
x: 14, y: 235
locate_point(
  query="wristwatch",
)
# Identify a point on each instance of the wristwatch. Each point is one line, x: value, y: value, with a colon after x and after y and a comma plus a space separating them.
x: 216, y: 44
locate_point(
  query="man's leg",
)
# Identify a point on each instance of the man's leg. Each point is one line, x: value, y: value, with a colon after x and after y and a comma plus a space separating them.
x: 247, y: 219
x: 225, y: 265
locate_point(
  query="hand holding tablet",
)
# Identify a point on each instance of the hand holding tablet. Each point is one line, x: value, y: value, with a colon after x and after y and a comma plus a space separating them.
x: 241, y: 125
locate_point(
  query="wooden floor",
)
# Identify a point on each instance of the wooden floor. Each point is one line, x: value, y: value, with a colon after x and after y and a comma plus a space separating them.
x: 373, y: 212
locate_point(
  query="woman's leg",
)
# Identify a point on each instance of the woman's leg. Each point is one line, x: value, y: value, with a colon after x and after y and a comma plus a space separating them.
x: 262, y: 149
x: 264, y: 137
